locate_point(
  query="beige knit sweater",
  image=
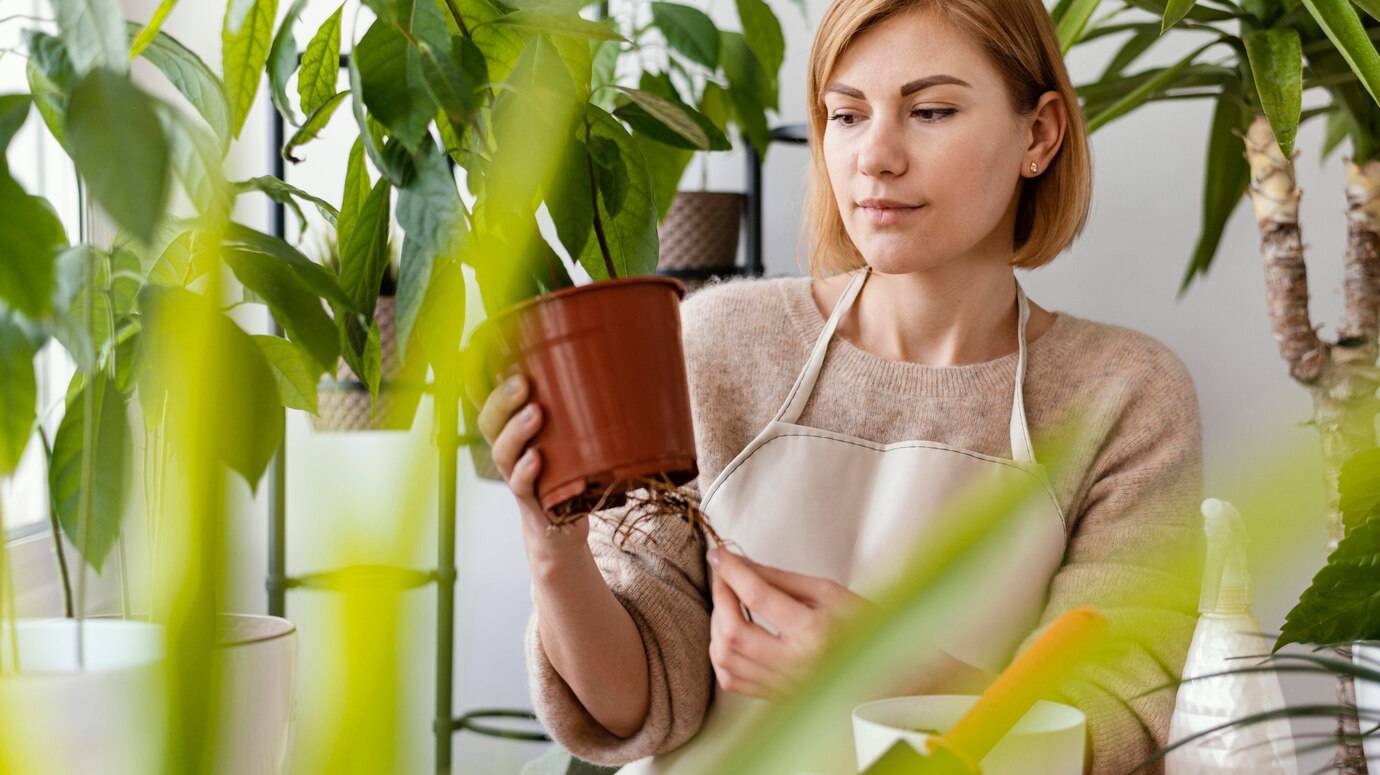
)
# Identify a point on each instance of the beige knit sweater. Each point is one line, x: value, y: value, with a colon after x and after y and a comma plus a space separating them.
x: 1132, y: 489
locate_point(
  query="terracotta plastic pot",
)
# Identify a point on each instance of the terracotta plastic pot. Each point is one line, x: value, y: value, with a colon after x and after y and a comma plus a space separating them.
x: 605, y: 363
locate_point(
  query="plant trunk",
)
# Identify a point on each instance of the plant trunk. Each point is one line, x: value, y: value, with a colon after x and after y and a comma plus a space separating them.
x: 1341, y: 376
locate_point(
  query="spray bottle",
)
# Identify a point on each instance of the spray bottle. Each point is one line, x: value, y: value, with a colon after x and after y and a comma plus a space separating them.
x: 1226, y: 638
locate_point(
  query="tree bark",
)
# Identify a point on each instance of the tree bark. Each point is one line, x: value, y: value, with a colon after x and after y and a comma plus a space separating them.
x: 1340, y: 376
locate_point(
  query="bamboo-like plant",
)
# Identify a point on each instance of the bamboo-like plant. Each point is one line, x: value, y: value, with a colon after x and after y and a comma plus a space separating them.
x: 1279, y: 49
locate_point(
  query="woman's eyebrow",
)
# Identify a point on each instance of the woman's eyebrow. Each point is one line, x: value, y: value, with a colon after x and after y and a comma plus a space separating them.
x: 913, y: 86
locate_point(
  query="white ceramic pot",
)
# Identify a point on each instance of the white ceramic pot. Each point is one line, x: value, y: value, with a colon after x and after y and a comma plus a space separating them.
x: 258, y: 664
x: 1048, y: 740
x: 107, y: 718
x: 1367, y: 655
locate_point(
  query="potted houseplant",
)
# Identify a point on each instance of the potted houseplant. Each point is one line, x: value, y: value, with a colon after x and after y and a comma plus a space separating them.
x: 110, y: 304
x: 1278, y: 49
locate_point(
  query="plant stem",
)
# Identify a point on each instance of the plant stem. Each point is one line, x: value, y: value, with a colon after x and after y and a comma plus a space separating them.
x: 598, y: 222
x: 57, y: 530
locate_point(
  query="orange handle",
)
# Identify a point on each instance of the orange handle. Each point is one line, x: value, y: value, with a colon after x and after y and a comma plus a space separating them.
x: 1069, y: 642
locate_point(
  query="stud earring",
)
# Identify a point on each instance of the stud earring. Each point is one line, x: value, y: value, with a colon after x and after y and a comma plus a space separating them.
x: 1034, y: 167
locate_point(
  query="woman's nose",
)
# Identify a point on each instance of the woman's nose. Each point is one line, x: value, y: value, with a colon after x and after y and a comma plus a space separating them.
x: 882, y: 150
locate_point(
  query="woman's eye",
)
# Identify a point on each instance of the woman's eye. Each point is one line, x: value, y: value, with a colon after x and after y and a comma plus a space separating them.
x: 838, y: 118
x: 928, y: 115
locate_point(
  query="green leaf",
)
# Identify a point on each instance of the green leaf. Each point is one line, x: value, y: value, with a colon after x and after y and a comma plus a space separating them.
x: 1130, y: 51
x: 1339, y: 126
x: 538, y: 21
x: 364, y: 253
x: 394, y: 170
x: 430, y: 214
x: 1276, y: 59
x: 293, y: 370
x: 120, y: 150
x: 288, y: 194
x: 194, y: 351
x: 1137, y: 96
x: 1343, y: 602
x: 689, y: 31
x: 193, y: 79
x: 394, y: 94
x: 685, y: 132
x: 85, y: 334
x: 18, y: 394
x: 315, y: 277
x: 245, y: 38
x: 14, y: 109
x: 110, y: 455
x: 51, y: 77
x: 316, y: 81
x: 454, y: 75
x: 763, y: 33
x: 282, y: 62
x: 1174, y: 12
x: 149, y: 31
x: 356, y: 193
x: 1358, y: 487
x: 30, y: 236
x: 196, y: 163
x: 294, y: 306
x: 748, y: 91
x: 570, y: 199
x: 630, y: 233
x: 373, y: 366
x: 313, y: 126
x: 94, y: 34
x: 1224, y: 184
x: 1371, y: 7
x: 1343, y: 27
x: 1069, y: 25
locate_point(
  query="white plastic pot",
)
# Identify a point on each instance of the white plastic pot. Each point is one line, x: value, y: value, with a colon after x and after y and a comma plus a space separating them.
x: 1049, y: 739
x: 258, y: 663
x: 107, y: 718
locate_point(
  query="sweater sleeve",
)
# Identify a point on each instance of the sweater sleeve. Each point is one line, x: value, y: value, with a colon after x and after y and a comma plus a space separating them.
x: 1135, y: 553
x: 660, y: 578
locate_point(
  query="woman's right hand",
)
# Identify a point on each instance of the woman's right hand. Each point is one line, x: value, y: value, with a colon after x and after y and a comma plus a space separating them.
x: 508, y: 422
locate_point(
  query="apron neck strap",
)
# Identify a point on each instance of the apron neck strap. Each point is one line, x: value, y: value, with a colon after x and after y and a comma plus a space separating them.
x: 1021, y: 449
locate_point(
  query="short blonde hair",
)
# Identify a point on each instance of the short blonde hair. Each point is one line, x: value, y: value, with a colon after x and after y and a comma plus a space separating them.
x: 1019, y: 37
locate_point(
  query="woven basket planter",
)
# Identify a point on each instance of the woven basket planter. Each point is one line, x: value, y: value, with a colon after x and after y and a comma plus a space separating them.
x: 700, y: 233
x: 344, y: 402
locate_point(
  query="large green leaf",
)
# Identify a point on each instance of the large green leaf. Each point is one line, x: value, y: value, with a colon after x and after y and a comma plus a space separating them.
x: 109, y: 452
x: 287, y: 194
x: 763, y: 33
x: 1071, y: 22
x: 396, y: 169
x: 748, y: 91
x: 688, y: 30
x: 245, y: 38
x: 312, y: 275
x: 84, y: 321
x: 672, y: 122
x: 1137, y: 96
x: 282, y: 62
x: 120, y: 149
x: 94, y: 33
x: 394, y: 93
x: 30, y: 235
x: 1276, y: 59
x: 629, y: 231
x: 1224, y: 184
x: 14, y: 110
x: 364, y: 253
x: 193, y: 79
x: 356, y: 192
x: 430, y: 214
x: 18, y: 394
x: 1343, y: 602
x: 294, y: 370
x: 197, y: 356
x: 51, y: 76
x: 570, y: 198
x: 555, y: 24
x: 1174, y: 12
x: 294, y: 306
x: 320, y: 72
x: 1343, y: 27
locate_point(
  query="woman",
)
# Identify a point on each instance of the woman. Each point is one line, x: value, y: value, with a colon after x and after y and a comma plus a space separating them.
x: 947, y: 149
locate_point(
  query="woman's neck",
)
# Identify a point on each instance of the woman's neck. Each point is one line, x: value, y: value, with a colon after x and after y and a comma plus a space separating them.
x: 927, y: 318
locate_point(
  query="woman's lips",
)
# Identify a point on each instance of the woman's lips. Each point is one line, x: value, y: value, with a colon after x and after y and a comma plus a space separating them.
x: 885, y: 216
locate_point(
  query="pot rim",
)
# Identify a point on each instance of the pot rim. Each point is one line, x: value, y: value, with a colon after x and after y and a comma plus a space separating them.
x: 562, y: 293
x: 282, y: 632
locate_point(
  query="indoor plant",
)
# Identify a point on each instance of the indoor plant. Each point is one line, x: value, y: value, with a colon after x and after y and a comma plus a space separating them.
x: 1283, y: 47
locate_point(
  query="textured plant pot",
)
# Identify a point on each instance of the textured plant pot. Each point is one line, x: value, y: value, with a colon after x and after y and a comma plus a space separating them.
x: 700, y: 234
x: 258, y: 679
x: 344, y: 403
x: 106, y: 719
x: 605, y: 363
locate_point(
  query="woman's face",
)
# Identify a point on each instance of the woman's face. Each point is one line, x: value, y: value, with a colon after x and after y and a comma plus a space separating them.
x: 917, y: 114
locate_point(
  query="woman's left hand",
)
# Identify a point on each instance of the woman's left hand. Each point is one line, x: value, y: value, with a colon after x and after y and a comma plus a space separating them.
x: 804, y: 609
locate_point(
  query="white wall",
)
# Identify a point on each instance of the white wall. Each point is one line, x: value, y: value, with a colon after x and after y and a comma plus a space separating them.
x: 1125, y: 269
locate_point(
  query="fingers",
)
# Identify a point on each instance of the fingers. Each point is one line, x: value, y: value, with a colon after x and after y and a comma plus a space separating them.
x: 500, y: 404
x: 512, y: 440
x: 810, y: 589
x: 737, y: 650
x: 765, y: 600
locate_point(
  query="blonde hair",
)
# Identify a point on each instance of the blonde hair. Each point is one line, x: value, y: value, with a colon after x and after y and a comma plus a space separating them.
x: 1019, y: 38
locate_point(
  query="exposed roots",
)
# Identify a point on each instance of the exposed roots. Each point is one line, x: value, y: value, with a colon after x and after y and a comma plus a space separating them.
x: 647, y: 498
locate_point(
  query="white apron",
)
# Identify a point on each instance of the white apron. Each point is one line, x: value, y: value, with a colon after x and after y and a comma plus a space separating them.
x: 828, y: 504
